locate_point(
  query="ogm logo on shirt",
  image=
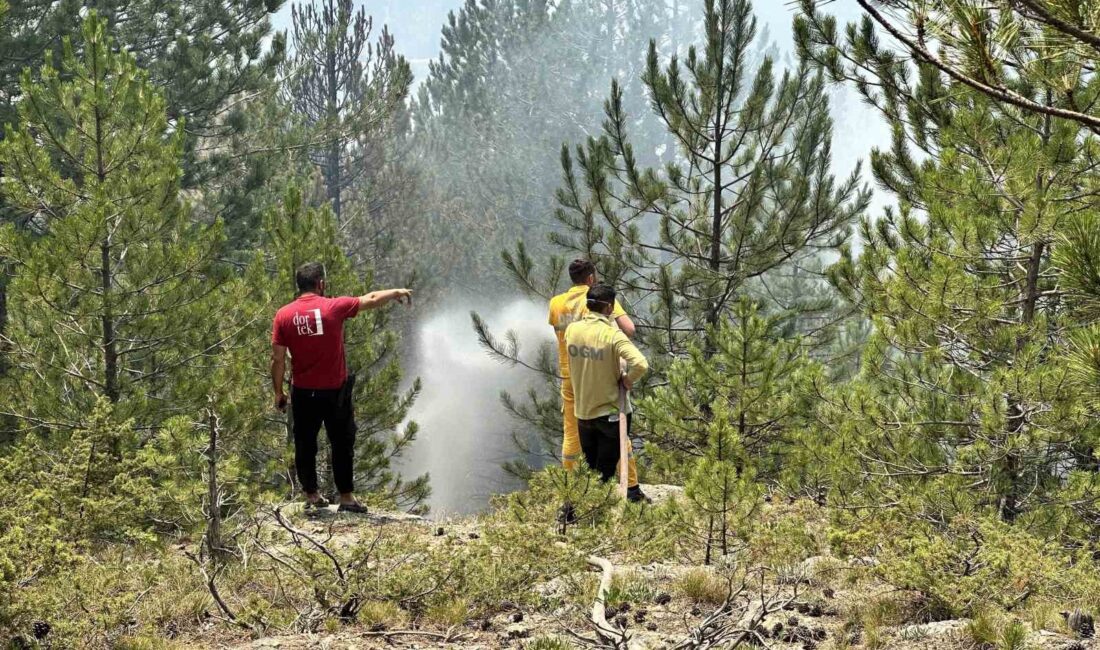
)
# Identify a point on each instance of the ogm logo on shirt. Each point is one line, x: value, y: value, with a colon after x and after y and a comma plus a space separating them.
x: 586, y: 352
x: 307, y: 326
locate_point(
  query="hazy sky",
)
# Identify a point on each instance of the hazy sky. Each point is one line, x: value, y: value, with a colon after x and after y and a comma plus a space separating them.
x: 416, y: 23
x: 416, y: 26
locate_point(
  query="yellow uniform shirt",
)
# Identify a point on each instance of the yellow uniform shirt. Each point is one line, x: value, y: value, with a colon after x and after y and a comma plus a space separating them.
x: 595, y: 347
x: 566, y: 309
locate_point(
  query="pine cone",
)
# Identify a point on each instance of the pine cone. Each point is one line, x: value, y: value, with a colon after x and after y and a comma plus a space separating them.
x: 1080, y: 622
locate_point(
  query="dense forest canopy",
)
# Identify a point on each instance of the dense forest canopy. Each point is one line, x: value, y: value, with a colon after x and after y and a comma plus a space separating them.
x: 891, y: 370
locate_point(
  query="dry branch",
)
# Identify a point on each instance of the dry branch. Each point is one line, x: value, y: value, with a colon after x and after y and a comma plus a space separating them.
x: 610, y: 635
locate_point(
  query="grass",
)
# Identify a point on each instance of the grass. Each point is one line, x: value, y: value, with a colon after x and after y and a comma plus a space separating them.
x: 549, y: 643
x: 990, y: 630
x: 449, y: 613
x: 872, y: 617
x: 145, y: 643
x: 873, y: 638
x: 441, y: 583
x: 1044, y: 616
x: 382, y: 614
x: 700, y: 585
x: 913, y: 633
x: 883, y: 611
x: 848, y: 634
x: 630, y: 587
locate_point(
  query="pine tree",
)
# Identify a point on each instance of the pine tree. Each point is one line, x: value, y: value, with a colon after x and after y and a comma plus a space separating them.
x: 124, y: 323
x: 733, y: 414
x: 201, y: 55
x: 514, y: 80
x: 1078, y: 257
x: 721, y: 489
x: 75, y: 498
x: 754, y: 371
x: 116, y: 291
x: 210, y: 61
x: 1036, y: 56
x: 347, y: 89
x: 965, y: 401
x: 750, y: 197
x: 751, y: 193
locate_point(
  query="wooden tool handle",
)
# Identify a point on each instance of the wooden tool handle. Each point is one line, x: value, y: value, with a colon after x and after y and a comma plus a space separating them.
x: 624, y: 441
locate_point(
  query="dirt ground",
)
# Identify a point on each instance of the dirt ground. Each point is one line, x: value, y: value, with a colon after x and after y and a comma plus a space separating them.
x: 824, y: 603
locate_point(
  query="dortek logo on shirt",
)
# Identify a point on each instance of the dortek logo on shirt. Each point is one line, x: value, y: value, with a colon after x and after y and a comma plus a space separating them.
x: 307, y: 326
x: 567, y: 319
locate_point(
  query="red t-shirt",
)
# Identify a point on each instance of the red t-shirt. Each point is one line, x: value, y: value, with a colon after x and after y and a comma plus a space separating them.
x: 312, y: 328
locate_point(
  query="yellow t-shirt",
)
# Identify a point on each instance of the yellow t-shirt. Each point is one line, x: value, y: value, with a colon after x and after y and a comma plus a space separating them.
x: 595, y: 348
x: 568, y: 308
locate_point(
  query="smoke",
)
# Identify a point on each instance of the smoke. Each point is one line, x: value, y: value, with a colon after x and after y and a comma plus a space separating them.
x: 465, y: 432
x: 491, y: 180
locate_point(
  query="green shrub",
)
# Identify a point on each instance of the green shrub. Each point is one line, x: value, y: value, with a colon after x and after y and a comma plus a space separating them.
x: 983, y: 631
x: 971, y: 563
x: 994, y: 630
x: 1013, y: 636
x: 785, y: 536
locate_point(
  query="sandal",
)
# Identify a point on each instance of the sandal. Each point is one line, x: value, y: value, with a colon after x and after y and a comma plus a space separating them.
x: 320, y: 504
x: 354, y: 507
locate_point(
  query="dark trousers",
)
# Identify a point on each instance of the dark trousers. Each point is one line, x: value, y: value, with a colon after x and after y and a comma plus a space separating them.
x: 333, y: 408
x: 600, y: 444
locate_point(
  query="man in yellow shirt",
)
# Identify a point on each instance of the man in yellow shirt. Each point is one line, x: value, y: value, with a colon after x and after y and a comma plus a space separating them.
x: 597, y: 349
x: 565, y: 309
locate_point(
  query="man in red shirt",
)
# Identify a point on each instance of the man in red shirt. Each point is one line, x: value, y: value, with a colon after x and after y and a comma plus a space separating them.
x: 312, y: 328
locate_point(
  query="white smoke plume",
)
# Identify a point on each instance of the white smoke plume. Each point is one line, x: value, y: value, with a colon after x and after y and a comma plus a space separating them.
x: 465, y: 432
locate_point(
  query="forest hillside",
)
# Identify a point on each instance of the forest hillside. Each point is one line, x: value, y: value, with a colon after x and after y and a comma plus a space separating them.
x: 871, y: 415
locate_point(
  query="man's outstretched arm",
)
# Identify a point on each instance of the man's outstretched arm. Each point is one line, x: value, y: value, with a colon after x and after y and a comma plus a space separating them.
x: 376, y: 299
x: 278, y: 374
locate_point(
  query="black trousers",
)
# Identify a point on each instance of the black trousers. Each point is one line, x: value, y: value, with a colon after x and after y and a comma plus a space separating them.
x: 333, y: 408
x: 600, y: 444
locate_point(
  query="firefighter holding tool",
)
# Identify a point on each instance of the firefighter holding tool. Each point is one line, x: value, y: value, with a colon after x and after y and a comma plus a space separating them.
x: 596, y: 350
x: 567, y: 308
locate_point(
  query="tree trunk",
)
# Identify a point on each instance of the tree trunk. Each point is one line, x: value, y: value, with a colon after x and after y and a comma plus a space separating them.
x: 110, y: 351
x: 1010, y: 504
x: 107, y: 320
x: 710, y: 540
x: 714, y: 260
x: 213, y: 492
x: 1016, y: 417
x: 332, y: 163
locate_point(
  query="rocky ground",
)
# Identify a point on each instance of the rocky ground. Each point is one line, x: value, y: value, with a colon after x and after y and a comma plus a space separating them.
x: 817, y: 605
